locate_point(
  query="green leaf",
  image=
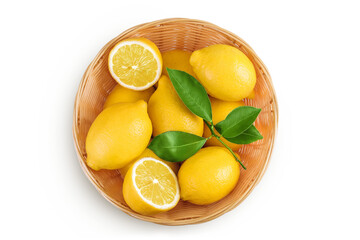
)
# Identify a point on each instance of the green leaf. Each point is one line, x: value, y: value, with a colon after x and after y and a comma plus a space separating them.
x: 192, y: 93
x: 248, y: 136
x: 237, y: 121
x: 175, y: 146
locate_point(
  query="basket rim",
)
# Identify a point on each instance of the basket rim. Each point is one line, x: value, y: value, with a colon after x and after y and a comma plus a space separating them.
x: 178, y: 221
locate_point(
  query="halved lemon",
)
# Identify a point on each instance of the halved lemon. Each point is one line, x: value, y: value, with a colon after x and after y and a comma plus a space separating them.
x: 150, y: 187
x: 135, y: 63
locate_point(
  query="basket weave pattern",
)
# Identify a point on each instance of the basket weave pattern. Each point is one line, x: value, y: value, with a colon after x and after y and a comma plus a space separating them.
x: 169, y: 34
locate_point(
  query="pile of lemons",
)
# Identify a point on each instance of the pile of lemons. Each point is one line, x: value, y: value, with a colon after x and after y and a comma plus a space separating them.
x: 145, y: 104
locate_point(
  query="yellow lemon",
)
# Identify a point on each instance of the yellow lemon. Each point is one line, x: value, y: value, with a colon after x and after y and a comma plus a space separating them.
x: 120, y: 95
x: 150, y: 187
x: 224, y: 71
x: 168, y: 113
x: 177, y: 59
x: 119, y: 134
x: 208, y: 176
x: 251, y: 95
x: 220, y: 109
x: 135, y: 63
x: 148, y: 153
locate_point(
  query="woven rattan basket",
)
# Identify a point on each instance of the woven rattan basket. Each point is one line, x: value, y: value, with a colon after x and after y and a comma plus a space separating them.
x: 169, y: 34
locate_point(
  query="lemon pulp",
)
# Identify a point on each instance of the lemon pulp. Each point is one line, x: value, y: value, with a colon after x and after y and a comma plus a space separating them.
x: 155, y: 182
x: 135, y: 63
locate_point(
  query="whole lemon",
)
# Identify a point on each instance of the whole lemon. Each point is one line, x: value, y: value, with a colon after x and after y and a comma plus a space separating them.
x: 119, y: 134
x: 177, y: 59
x: 224, y: 71
x: 120, y: 95
x: 208, y: 176
x: 220, y: 109
x: 168, y: 113
x: 148, y: 153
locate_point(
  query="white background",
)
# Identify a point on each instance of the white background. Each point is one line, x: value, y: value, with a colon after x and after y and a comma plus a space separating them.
x: 311, y: 188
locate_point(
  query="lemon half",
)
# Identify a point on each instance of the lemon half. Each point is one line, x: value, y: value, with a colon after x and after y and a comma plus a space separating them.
x: 135, y: 63
x: 150, y: 187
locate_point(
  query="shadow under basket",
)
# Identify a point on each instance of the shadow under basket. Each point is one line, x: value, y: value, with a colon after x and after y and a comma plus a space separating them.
x: 169, y: 34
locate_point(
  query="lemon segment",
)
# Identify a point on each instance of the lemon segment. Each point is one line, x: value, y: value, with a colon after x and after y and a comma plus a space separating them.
x: 150, y: 187
x: 135, y: 63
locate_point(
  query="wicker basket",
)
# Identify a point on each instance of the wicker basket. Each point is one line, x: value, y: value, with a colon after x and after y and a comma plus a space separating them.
x: 169, y: 34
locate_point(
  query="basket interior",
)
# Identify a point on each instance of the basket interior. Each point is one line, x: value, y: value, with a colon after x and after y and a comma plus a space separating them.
x: 168, y: 35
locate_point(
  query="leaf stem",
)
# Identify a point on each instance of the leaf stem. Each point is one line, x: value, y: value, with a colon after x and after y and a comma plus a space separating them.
x: 211, y: 127
x: 218, y: 138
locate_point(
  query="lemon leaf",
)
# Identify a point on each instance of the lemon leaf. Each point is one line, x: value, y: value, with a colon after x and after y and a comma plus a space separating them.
x: 192, y: 93
x: 237, y: 121
x: 248, y: 136
x: 176, y: 146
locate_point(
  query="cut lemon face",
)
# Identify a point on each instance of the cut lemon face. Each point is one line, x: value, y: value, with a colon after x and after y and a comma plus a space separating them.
x: 150, y: 187
x: 135, y: 63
